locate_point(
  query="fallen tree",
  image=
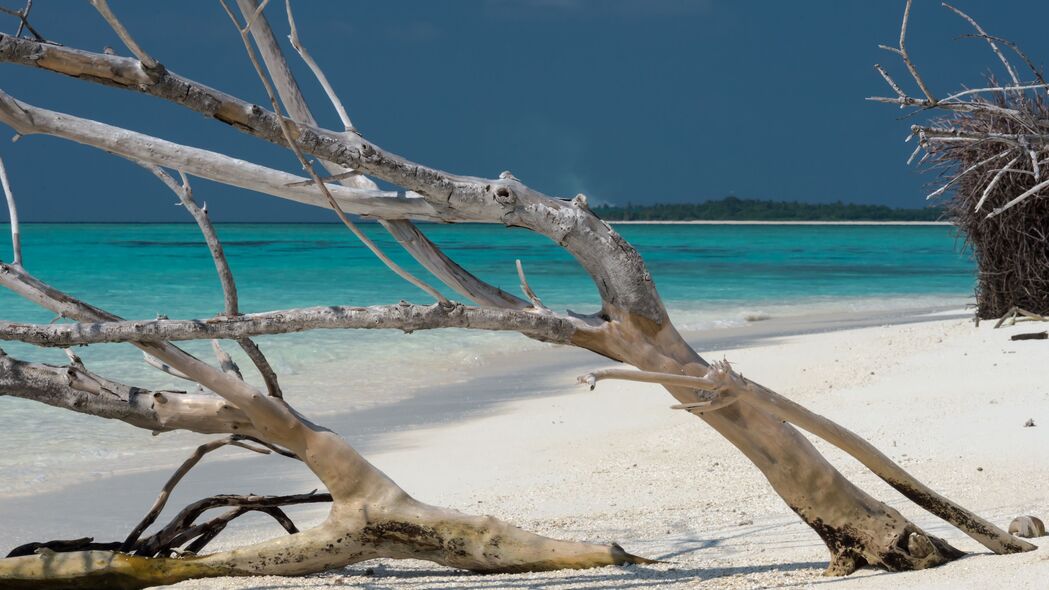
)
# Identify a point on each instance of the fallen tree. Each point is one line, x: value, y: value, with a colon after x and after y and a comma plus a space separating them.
x: 370, y: 515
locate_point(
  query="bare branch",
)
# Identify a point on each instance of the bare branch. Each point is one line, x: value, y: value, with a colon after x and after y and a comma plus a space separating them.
x: 410, y: 237
x: 990, y: 41
x: 74, y: 388
x: 907, y: 58
x: 169, y: 486
x: 994, y: 182
x: 446, y: 270
x: 992, y: 89
x: 616, y: 269
x: 25, y: 15
x: 226, y: 362
x: 1035, y: 70
x: 961, y: 174
x: 229, y: 286
x: 23, y: 18
x: 952, y: 134
x: 317, y: 71
x: 273, y: 415
x: 960, y: 107
x: 289, y: 139
x: 12, y: 213
x: 404, y: 316
x: 181, y: 528
x: 722, y: 379
x: 102, y: 6
x: 164, y: 367
x: 27, y: 120
x: 536, y: 302
x: 892, y: 83
x: 1019, y: 198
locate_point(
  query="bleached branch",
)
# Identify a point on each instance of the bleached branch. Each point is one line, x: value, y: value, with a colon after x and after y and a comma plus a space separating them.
x: 902, y: 51
x: 74, y: 388
x: 994, y: 47
x: 994, y: 182
x: 12, y: 216
x: 102, y: 6
x: 317, y: 71
x: 536, y: 302
x: 28, y: 120
x: 405, y: 317
x: 723, y: 380
x: 1019, y: 198
x: 229, y: 286
x: 289, y: 140
x: 165, y: 492
x: 616, y: 269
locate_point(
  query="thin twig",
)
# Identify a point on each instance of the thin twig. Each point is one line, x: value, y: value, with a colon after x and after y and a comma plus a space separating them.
x: 994, y: 182
x: 229, y: 285
x: 332, y: 178
x: 12, y: 211
x: 308, y: 167
x: 990, y: 41
x: 1016, y: 49
x: 23, y: 17
x: 907, y: 58
x: 102, y: 6
x: 317, y: 71
x: 892, y: 83
x: 536, y: 302
x: 958, y: 176
x: 226, y: 362
x: 993, y: 89
x: 165, y: 491
x: 1034, y: 189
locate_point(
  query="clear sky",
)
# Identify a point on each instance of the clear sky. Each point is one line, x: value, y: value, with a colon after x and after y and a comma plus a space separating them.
x: 624, y: 100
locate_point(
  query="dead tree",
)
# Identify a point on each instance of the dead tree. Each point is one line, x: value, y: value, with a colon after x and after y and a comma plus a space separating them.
x: 990, y: 145
x: 370, y: 515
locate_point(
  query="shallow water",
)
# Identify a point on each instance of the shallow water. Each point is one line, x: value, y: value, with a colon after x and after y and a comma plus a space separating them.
x: 709, y: 275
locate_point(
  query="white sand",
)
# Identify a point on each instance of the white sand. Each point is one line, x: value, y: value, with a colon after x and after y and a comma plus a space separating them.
x: 943, y: 398
x: 746, y: 222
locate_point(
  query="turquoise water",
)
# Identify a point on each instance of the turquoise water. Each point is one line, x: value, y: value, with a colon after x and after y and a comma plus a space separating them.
x: 709, y: 275
x: 141, y: 270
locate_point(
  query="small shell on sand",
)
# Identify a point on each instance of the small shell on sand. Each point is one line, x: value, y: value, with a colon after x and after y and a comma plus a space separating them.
x: 1027, y: 526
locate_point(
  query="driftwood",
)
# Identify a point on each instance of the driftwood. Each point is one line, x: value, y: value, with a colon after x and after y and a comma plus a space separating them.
x: 370, y: 515
x: 1030, y: 336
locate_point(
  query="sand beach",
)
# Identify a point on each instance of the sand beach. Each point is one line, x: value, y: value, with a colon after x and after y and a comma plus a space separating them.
x: 945, y: 399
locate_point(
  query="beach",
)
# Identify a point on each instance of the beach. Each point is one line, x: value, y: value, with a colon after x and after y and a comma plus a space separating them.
x: 945, y: 399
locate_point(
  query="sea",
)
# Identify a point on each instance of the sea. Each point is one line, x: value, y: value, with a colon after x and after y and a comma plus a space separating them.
x: 710, y: 276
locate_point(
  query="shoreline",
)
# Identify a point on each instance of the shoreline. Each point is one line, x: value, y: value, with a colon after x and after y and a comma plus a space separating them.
x: 613, y: 222
x: 508, y: 377
x: 756, y: 222
x: 528, y: 446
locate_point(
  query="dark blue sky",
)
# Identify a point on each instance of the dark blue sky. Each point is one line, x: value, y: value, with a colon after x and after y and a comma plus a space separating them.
x: 625, y: 100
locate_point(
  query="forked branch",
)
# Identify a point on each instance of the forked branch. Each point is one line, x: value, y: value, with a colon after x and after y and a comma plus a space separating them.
x: 722, y: 379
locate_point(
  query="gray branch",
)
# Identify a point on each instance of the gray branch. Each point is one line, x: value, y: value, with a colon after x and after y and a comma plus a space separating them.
x: 405, y: 316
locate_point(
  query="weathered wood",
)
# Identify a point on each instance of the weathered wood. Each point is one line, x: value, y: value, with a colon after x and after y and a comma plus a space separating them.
x: 371, y: 516
x: 406, y: 317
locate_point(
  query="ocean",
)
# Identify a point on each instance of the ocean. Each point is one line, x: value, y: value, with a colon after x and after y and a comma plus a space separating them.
x: 710, y: 276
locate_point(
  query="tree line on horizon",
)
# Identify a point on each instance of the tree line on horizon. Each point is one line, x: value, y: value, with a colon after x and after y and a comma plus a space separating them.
x: 737, y: 209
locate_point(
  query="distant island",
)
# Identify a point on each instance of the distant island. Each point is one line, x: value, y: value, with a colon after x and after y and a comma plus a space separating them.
x: 736, y: 209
